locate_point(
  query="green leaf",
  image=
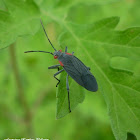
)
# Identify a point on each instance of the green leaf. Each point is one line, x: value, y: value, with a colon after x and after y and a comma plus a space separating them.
x: 84, y: 13
x: 2, y: 5
x: 113, y: 57
x: 76, y: 96
x: 66, y: 39
x: 22, y: 18
x: 73, y: 2
x: 125, y: 64
x: 97, y: 45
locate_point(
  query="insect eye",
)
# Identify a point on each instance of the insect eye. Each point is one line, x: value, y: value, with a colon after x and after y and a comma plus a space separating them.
x: 55, y: 57
x: 60, y: 50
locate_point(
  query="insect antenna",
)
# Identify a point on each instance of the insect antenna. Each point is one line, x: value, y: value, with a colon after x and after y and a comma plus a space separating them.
x: 47, y: 35
x: 38, y: 51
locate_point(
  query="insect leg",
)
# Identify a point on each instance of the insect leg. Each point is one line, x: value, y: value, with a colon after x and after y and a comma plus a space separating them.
x: 57, y: 78
x: 72, y: 53
x: 67, y: 84
x: 54, y: 67
x: 88, y: 68
x: 66, y: 49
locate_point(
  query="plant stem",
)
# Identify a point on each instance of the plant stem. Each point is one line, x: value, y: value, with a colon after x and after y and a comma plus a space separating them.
x: 22, y: 98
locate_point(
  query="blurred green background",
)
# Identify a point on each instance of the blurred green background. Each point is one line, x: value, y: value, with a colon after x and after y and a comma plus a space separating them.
x: 27, y: 87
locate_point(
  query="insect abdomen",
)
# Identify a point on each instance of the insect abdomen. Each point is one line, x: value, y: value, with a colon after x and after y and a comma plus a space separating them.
x: 89, y: 82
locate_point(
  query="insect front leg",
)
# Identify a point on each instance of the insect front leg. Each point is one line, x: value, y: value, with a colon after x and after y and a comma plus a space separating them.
x: 57, y: 78
x: 67, y: 85
x: 54, y: 67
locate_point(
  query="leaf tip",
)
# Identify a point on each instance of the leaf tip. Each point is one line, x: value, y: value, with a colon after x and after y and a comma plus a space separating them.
x: 113, y: 21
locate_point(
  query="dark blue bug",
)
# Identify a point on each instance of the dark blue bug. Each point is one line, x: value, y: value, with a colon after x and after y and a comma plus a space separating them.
x: 74, y: 68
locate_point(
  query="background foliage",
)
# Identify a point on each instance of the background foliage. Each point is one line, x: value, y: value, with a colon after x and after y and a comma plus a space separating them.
x: 93, y: 30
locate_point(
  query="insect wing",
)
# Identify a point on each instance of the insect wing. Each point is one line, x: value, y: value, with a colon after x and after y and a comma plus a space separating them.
x: 89, y: 82
x: 74, y: 73
x: 88, y: 79
x: 81, y: 74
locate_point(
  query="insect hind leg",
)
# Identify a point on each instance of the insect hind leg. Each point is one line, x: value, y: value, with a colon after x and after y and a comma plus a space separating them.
x: 88, y: 68
x: 67, y: 84
x: 57, y: 78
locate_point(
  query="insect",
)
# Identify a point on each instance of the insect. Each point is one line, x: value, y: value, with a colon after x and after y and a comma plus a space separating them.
x: 74, y: 68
